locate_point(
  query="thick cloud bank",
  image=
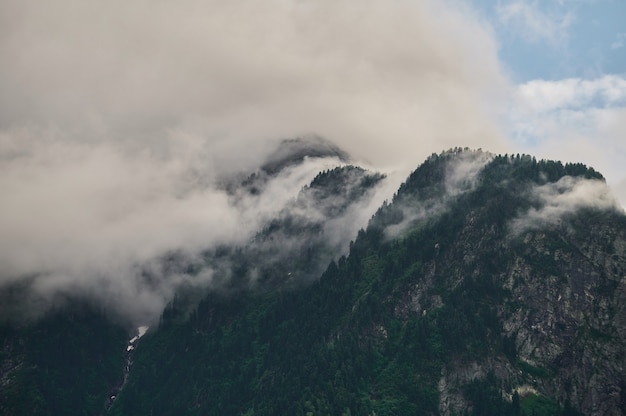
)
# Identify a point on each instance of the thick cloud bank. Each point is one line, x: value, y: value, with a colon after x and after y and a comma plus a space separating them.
x: 121, y: 120
x: 376, y: 77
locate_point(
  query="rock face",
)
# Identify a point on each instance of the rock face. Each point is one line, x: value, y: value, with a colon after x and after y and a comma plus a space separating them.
x: 557, y: 291
x: 562, y: 310
x: 573, y: 322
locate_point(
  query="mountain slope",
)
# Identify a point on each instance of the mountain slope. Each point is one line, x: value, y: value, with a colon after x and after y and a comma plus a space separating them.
x: 61, y: 361
x: 488, y: 285
x: 66, y: 363
x: 471, y: 292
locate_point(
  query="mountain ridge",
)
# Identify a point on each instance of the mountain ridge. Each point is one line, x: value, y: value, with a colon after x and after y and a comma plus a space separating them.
x: 487, y: 285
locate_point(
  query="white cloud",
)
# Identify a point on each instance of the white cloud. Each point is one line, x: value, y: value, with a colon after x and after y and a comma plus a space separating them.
x: 243, y: 70
x: 575, y: 120
x: 572, y: 93
x: 566, y: 196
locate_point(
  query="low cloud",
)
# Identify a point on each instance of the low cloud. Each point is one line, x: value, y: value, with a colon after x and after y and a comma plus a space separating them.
x: 572, y: 93
x: 463, y: 170
x: 121, y: 121
x: 566, y: 196
x: 88, y: 220
x: 461, y: 173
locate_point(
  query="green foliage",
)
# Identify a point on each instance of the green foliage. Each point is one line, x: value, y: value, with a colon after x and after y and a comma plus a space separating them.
x: 538, y: 406
x: 486, y: 399
x: 65, y: 364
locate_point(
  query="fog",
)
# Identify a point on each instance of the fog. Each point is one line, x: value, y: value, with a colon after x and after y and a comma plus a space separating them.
x: 566, y: 196
x: 99, y: 225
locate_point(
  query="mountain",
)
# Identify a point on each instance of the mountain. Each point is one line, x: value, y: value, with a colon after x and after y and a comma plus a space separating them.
x: 288, y: 154
x: 489, y: 284
x: 294, y: 151
x: 290, y: 249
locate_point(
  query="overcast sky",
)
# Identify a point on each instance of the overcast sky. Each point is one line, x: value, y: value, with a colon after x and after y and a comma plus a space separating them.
x: 118, y: 118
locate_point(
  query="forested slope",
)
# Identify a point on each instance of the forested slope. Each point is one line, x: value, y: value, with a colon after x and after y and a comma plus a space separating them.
x: 456, y: 298
x: 488, y: 285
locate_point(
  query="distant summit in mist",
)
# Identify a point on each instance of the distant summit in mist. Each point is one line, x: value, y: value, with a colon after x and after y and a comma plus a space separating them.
x: 293, y: 151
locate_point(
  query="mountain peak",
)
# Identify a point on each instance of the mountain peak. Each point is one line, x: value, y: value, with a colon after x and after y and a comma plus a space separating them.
x: 294, y: 151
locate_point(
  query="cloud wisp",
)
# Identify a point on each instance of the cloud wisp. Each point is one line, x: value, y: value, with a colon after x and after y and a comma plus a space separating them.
x: 566, y: 196
x: 461, y: 170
